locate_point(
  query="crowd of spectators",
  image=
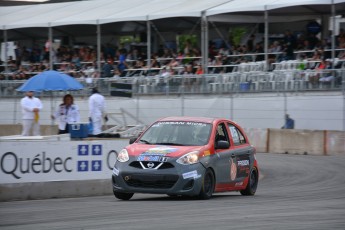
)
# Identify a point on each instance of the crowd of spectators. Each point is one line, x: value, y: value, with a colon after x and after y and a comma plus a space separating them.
x: 81, y: 61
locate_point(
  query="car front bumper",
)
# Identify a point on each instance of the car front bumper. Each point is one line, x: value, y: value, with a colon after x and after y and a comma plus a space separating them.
x: 171, y: 178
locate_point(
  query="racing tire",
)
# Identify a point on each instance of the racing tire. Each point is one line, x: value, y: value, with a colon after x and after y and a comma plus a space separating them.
x: 208, y: 184
x: 123, y: 196
x: 252, y: 183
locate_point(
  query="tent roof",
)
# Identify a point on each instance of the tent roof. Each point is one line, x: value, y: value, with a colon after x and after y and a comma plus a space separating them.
x: 299, y: 6
x: 109, y: 11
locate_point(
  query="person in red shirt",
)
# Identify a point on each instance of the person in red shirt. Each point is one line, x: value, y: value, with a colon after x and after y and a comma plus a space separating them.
x: 199, y: 70
x: 314, y: 80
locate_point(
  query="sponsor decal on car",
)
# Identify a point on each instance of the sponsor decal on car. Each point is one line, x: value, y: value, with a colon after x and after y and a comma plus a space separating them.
x: 243, y: 163
x: 179, y: 123
x: 233, y: 170
x: 115, y: 171
x: 154, y: 158
x: 239, y: 184
x: 159, y: 150
x: 156, y: 154
x: 192, y: 174
x: 207, y: 153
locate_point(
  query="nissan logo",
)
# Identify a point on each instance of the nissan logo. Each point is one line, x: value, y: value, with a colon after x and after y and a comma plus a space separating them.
x: 150, y: 165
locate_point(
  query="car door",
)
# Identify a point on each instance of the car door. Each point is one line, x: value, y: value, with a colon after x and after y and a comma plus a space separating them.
x: 223, y: 158
x: 241, y: 153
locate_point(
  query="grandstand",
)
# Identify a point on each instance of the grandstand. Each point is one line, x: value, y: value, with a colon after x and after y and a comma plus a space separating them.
x: 268, y: 58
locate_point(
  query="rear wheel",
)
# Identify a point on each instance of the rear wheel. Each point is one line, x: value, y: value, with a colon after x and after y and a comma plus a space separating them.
x: 252, y: 183
x: 208, y: 184
x: 123, y: 196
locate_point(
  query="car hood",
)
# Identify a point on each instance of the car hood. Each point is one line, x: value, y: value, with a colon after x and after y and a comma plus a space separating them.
x: 137, y: 149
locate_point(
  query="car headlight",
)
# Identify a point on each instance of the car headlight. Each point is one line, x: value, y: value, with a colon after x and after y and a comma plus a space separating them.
x: 123, y: 156
x: 189, y: 158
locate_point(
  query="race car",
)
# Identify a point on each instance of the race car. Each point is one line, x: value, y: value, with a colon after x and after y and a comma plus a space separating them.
x: 187, y: 156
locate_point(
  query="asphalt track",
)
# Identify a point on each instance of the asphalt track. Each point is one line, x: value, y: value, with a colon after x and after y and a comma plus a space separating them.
x: 295, y: 192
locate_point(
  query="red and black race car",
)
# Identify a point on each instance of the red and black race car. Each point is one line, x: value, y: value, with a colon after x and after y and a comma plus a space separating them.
x: 188, y: 156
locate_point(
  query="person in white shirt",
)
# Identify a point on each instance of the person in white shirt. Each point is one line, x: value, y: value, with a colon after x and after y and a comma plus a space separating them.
x: 31, y: 106
x: 66, y: 113
x: 97, y: 111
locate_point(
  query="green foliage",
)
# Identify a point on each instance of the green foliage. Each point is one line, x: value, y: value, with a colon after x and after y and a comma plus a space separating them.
x: 128, y: 39
x: 236, y: 34
x: 184, y: 39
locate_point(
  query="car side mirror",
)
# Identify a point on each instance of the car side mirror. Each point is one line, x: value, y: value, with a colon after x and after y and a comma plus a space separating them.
x: 222, y: 145
x: 132, y: 140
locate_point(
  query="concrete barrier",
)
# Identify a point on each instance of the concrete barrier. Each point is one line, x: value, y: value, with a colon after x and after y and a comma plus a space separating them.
x: 296, y: 141
x: 335, y: 143
x: 8, y: 130
x: 54, y: 189
x: 258, y: 138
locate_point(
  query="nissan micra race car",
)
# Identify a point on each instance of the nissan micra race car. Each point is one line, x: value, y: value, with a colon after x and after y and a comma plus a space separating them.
x: 187, y: 156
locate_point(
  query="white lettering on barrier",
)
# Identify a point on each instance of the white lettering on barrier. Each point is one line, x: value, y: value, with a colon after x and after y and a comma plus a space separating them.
x: 32, y: 161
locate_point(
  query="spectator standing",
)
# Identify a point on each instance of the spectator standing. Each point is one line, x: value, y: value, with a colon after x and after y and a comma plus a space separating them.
x: 289, y: 39
x: 122, y: 60
x: 313, y: 40
x: 259, y: 50
x: 107, y: 70
x: 250, y: 43
x: 289, y: 122
x: 67, y: 113
x: 187, y: 47
x: 97, y: 111
x: 31, y: 106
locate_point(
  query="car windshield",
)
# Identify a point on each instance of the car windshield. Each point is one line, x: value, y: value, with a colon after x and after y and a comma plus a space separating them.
x: 177, y: 133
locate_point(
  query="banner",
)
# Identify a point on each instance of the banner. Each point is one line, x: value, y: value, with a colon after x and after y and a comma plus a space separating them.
x: 43, y: 161
x: 121, y: 89
x: 11, y: 47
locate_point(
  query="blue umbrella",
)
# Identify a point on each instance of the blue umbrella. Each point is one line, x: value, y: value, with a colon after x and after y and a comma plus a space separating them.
x: 50, y: 81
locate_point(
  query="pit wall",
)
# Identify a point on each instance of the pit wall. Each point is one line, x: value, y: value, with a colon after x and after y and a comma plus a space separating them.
x: 9, y: 130
x: 293, y: 141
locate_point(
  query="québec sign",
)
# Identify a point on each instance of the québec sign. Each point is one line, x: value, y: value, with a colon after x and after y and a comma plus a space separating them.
x: 57, y: 161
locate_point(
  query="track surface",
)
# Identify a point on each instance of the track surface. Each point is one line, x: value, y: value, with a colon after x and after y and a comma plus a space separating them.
x: 295, y: 192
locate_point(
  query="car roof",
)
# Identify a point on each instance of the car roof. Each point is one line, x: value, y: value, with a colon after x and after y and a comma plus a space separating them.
x: 194, y: 119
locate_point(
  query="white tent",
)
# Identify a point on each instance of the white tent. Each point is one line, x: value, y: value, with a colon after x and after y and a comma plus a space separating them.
x: 32, y: 16
x: 98, y: 12
x: 108, y: 11
x: 264, y: 5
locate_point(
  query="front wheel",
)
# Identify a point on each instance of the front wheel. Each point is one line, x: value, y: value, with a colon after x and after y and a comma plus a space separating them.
x: 252, y: 183
x: 123, y: 196
x: 207, y: 187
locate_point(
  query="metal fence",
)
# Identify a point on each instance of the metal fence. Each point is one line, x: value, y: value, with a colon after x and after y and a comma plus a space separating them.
x: 281, y: 80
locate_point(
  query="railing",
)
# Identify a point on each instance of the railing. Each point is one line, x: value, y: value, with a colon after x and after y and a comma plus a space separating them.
x: 281, y: 80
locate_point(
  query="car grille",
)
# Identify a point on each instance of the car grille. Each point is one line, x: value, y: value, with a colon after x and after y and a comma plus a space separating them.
x: 150, y: 181
x: 143, y: 165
